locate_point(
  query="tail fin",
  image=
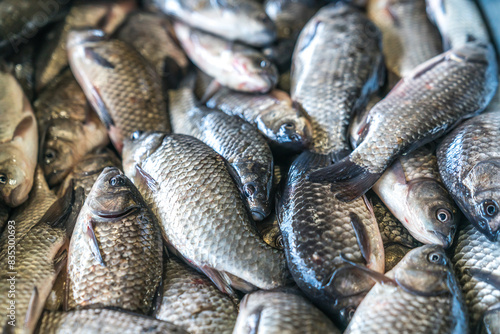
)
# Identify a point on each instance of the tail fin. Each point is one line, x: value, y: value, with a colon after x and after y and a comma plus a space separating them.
x: 350, y: 180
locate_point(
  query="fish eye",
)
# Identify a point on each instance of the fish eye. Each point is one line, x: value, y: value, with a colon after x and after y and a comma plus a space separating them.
x: 347, y: 313
x: 265, y: 64
x: 436, y: 258
x: 249, y: 190
x: 490, y: 208
x: 262, y: 17
x: 50, y: 155
x: 279, y: 241
x: 135, y: 135
x: 443, y: 215
x: 3, y: 179
x: 117, y: 181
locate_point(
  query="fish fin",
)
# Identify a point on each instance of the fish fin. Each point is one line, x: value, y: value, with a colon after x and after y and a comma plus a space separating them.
x: 78, y: 199
x: 220, y: 279
x: 43, y: 138
x: 361, y: 235
x: 23, y: 127
x: 488, y: 278
x: 102, y: 111
x: 309, y: 36
x: 97, y: 58
x: 148, y: 179
x: 61, y: 259
x: 425, y: 67
x: 158, y: 298
x: 350, y: 180
x: 240, y: 284
x: 91, y: 239
x: 392, y: 14
x: 375, y: 275
x: 212, y: 88
x: 31, y: 317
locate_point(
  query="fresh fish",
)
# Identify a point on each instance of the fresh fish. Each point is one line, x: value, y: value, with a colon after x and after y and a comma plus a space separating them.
x: 68, y: 128
x: 420, y: 108
x: 420, y: 295
x: 281, y: 311
x: 469, y: 163
x: 414, y: 192
x: 233, y: 65
x: 396, y: 238
x: 52, y: 57
x: 191, y: 192
x: 192, y: 301
x: 282, y: 122
x: 409, y: 38
x: 21, y: 20
x: 475, y: 259
x: 333, y: 77
x: 240, y: 20
x: 120, y: 84
x: 150, y: 34
x: 238, y: 142
x: 103, y: 321
x: 458, y: 21
x: 18, y: 141
x: 116, y: 253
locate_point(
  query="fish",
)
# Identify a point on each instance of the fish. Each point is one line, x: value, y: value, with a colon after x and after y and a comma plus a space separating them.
x: 414, y: 192
x: 232, y: 65
x: 281, y: 311
x: 396, y: 238
x: 122, y: 86
x: 103, y: 321
x: 196, y: 200
x: 269, y: 229
x: 469, y: 164
x: 116, y: 254
x: 459, y: 22
x: 18, y: 141
x: 422, y: 107
x: 68, y: 128
x: 475, y: 258
x: 281, y: 121
x: 331, y: 82
x: 246, y: 151
x: 235, y: 20
x: 21, y: 21
x: 52, y: 56
x: 151, y: 35
x: 191, y: 301
x: 419, y: 295
x: 409, y: 38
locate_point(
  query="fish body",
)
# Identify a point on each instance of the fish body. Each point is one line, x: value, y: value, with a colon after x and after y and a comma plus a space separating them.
x: 204, y: 220
x: 233, y: 65
x: 122, y: 86
x: 18, y: 141
x: 115, y: 255
x: 469, y: 163
x: 190, y: 300
x: 420, y: 108
x: 281, y: 311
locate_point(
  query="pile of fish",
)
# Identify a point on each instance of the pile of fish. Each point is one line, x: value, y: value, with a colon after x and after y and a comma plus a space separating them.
x: 238, y: 166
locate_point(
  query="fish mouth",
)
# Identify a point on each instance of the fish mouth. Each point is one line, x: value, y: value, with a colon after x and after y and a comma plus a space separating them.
x: 258, y: 215
x: 441, y: 238
x: 113, y: 215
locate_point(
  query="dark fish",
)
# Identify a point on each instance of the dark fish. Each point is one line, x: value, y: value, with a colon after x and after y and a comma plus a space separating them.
x: 420, y: 108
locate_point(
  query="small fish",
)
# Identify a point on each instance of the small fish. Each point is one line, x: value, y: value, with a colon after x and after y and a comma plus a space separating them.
x: 469, y: 163
x: 281, y: 311
x: 68, y: 128
x: 18, y: 141
x: 122, y: 86
x: 115, y: 255
x: 420, y: 295
x: 419, y: 109
x: 234, y: 20
x: 190, y: 300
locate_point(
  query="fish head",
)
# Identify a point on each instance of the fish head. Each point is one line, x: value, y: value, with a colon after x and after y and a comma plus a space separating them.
x: 255, y: 181
x: 257, y: 73
x: 481, y: 204
x: 81, y: 37
x: 138, y: 147
x: 425, y: 271
x: 433, y: 212
x: 113, y: 195
x: 15, y: 179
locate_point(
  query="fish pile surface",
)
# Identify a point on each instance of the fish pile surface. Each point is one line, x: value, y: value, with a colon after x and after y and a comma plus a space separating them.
x: 249, y: 166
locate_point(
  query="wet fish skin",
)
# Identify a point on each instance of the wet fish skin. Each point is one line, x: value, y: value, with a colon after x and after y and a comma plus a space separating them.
x: 116, y: 253
x: 233, y: 65
x: 244, y: 20
x: 212, y: 213
x: 409, y: 38
x: 239, y: 143
x: 319, y: 80
x: 281, y: 311
x: 18, y: 141
x: 459, y: 22
x: 442, y: 91
x: 103, y: 321
x: 192, y: 301
x: 421, y: 295
x: 120, y: 84
x: 68, y: 128
x: 470, y: 167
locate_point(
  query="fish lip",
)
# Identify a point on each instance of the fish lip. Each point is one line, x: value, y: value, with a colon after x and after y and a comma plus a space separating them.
x: 116, y: 214
x: 81, y: 36
x: 258, y: 215
x: 445, y: 240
